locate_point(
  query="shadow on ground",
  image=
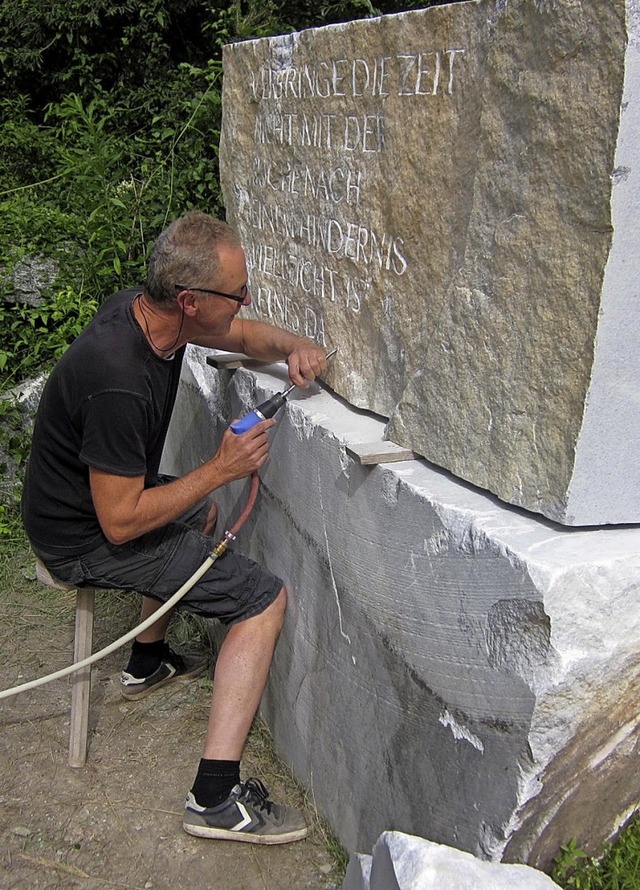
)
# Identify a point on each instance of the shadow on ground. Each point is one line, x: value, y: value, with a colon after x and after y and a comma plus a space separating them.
x: 116, y: 823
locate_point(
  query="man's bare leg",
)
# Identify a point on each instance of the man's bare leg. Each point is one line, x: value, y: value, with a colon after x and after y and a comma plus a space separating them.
x: 219, y: 805
x: 241, y: 672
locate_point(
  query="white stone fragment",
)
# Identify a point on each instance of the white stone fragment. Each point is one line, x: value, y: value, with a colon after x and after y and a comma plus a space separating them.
x: 403, y: 862
x: 358, y: 873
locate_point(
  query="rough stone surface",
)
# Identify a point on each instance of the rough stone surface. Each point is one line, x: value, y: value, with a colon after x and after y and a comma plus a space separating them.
x: 16, y: 429
x: 30, y: 277
x: 451, y: 196
x: 358, y: 876
x: 451, y: 667
x: 403, y: 862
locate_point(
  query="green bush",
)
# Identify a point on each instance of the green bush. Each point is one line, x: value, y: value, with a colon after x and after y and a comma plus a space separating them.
x: 24, y: 145
x: 618, y: 868
x: 108, y: 196
x: 32, y: 338
x: 108, y: 130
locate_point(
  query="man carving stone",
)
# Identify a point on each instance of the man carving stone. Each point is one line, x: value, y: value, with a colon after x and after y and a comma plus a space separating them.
x: 98, y: 514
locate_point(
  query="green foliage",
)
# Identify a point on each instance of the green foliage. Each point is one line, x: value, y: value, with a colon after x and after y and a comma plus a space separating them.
x: 32, y: 338
x: 90, y: 160
x: 109, y: 195
x: 93, y: 46
x: 31, y: 225
x: 109, y: 127
x: 122, y: 132
x: 24, y: 145
x: 573, y: 868
x: 617, y: 869
x: 11, y: 529
x: 7, y: 525
x: 14, y: 450
x: 11, y: 425
x: 175, y: 157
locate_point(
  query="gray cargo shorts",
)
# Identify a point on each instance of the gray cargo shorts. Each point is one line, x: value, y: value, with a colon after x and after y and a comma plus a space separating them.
x: 157, y: 564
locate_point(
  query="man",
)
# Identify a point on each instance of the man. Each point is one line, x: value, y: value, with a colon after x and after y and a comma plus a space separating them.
x: 98, y: 514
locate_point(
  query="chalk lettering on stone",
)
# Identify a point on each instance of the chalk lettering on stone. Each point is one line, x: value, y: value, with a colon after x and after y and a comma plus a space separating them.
x: 336, y: 185
x: 359, y: 132
x: 340, y: 239
x: 417, y: 73
x: 285, y: 311
x: 311, y: 246
x: 280, y: 272
x: 363, y: 133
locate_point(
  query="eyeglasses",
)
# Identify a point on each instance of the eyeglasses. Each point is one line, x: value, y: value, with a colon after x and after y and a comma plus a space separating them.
x: 244, y: 290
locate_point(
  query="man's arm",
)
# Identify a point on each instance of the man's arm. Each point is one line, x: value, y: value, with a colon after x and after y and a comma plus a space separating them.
x: 306, y: 360
x: 126, y: 510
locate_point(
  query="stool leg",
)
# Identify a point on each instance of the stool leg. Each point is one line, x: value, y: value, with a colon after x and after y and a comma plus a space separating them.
x: 81, y: 692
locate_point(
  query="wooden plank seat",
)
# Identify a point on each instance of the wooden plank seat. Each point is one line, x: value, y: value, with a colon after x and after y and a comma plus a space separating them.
x: 81, y: 679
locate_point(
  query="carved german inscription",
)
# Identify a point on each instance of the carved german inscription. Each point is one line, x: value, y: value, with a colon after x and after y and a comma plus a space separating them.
x: 316, y: 128
x: 432, y: 193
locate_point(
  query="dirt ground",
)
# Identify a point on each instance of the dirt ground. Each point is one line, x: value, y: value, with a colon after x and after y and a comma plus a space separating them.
x: 117, y: 821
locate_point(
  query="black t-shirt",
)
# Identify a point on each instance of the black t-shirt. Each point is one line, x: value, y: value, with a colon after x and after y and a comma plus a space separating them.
x: 107, y: 405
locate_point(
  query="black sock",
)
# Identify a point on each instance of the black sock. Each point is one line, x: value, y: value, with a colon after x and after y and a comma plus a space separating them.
x: 145, y: 658
x: 215, y: 780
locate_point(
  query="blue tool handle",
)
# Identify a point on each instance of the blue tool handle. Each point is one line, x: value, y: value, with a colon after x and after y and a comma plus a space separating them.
x: 246, y: 423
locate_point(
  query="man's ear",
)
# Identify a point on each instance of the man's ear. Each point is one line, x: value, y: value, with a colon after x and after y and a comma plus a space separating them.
x: 187, y: 301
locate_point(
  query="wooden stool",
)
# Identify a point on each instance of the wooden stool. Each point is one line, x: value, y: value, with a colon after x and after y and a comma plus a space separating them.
x: 81, y: 689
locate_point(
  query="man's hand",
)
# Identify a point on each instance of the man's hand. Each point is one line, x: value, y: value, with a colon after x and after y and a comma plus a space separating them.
x: 259, y: 340
x: 306, y: 363
x: 126, y: 509
x: 240, y: 455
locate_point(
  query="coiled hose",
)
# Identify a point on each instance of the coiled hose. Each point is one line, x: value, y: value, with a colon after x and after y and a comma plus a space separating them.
x: 217, y: 551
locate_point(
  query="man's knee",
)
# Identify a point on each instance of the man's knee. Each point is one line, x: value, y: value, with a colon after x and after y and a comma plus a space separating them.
x: 274, y: 613
x: 270, y: 619
x: 280, y: 602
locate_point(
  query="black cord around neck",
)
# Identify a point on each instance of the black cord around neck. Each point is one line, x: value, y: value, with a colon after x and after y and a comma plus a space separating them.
x: 157, y: 348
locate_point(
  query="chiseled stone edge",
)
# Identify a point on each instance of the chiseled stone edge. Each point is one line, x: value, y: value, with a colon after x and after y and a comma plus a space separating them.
x: 579, y: 693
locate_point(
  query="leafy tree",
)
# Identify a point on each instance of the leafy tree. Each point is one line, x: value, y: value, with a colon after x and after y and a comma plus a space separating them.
x: 85, y: 46
x: 111, y: 121
x: 309, y: 14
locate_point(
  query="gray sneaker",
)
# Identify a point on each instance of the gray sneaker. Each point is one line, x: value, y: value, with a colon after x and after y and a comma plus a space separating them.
x: 172, y: 667
x: 246, y: 815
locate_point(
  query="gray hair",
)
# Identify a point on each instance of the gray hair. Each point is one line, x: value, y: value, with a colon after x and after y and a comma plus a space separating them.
x: 186, y: 253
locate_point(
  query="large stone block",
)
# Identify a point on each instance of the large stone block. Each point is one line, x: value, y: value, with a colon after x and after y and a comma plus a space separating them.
x: 450, y: 667
x: 451, y: 196
x: 403, y: 862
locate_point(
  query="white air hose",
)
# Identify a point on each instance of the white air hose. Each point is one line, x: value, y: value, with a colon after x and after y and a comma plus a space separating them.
x: 217, y: 551
x: 6, y: 693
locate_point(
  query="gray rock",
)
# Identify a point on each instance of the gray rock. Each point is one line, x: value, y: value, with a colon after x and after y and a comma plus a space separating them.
x: 402, y: 862
x: 358, y: 874
x: 27, y: 394
x: 31, y: 277
x: 450, y: 667
x: 16, y: 433
x: 450, y: 195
